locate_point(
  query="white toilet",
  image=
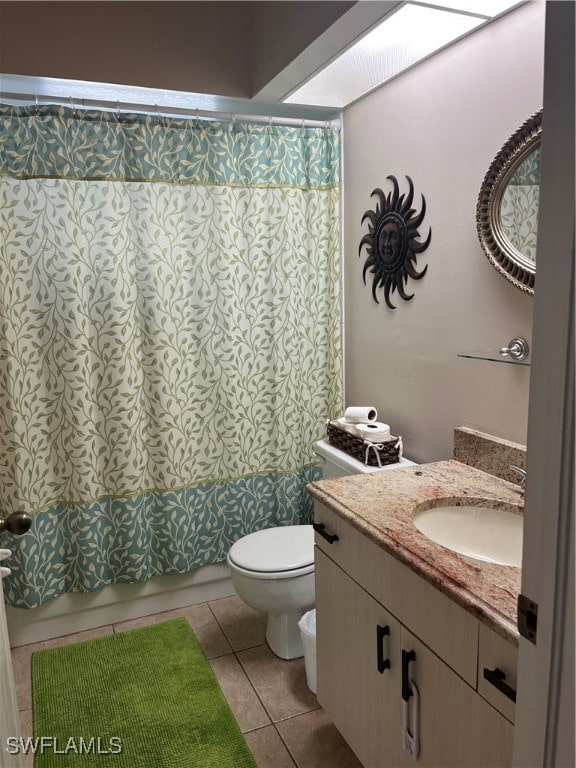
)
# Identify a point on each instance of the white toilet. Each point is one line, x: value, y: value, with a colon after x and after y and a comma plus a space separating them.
x: 273, y: 570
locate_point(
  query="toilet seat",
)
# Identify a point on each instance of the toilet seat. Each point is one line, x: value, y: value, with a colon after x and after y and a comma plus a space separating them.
x: 292, y: 574
x: 275, y: 553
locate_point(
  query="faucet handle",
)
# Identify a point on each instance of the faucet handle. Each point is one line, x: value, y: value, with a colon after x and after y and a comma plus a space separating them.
x: 521, y: 472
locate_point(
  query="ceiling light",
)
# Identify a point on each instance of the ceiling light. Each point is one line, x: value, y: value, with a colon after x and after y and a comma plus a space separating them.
x: 488, y: 8
x: 403, y: 38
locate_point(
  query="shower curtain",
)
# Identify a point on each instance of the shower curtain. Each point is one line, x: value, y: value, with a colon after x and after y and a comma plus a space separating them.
x: 170, y: 338
x: 519, y: 206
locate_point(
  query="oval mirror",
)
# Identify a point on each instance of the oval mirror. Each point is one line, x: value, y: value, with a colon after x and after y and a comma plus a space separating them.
x: 507, y: 210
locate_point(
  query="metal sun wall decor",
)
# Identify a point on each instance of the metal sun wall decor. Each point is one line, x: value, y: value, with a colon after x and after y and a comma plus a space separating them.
x: 392, y: 243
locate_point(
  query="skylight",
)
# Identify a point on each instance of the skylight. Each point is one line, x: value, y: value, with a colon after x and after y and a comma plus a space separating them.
x: 404, y: 37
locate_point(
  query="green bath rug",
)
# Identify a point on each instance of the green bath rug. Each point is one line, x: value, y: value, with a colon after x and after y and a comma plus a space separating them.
x: 146, y: 698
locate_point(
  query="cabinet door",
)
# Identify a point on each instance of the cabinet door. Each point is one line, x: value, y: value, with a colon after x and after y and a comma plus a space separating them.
x: 358, y: 670
x: 456, y: 726
x: 496, y: 655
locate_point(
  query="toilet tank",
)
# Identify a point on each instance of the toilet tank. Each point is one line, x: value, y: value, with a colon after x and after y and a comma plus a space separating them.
x: 337, y: 463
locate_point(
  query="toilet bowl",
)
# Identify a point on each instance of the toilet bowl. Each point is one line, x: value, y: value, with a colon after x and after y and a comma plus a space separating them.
x: 272, y: 570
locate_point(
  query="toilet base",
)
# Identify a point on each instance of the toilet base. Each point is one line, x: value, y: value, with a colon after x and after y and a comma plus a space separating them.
x: 283, y: 634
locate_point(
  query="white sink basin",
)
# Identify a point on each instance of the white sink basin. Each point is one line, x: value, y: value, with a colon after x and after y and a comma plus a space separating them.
x: 493, y: 535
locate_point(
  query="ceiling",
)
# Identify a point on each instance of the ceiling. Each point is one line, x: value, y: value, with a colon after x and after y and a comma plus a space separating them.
x: 233, y: 49
x: 263, y: 52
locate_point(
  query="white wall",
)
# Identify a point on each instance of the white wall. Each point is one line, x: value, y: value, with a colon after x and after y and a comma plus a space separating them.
x: 441, y: 123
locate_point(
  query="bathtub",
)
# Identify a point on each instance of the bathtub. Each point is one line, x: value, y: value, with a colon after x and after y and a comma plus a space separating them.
x: 79, y: 611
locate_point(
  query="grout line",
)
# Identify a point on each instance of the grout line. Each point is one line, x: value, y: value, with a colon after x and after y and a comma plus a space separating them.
x: 282, y: 719
x: 298, y: 714
x: 209, y: 604
x: 247, y: 676
x: 257, y: 728
x: 287, y: 748
x: 272, y: 725
x: 234, y: 650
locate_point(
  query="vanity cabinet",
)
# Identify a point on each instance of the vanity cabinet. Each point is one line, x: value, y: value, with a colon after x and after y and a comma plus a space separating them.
x: 358, y: 677
x: 384, y: 630
x: 497, y: 663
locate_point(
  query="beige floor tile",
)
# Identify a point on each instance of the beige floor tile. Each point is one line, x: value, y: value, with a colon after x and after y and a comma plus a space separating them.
x: 207, y: 630
x: 281, y: 685
x: 314, y: 742
x: 240, y: 695
x: 21, y: 659
x: 268, y: 748
x: 26, y: 722
x: 26, y: 732
x: 243, y: 626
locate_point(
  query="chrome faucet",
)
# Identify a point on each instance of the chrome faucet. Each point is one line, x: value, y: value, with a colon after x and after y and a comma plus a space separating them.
x: 522, y: 473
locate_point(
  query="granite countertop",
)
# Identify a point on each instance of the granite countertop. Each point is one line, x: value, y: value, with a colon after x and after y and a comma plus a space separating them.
x: 381, y: 506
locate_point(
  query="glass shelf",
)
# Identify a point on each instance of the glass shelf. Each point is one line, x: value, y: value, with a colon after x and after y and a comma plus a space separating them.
x: 494, y: 356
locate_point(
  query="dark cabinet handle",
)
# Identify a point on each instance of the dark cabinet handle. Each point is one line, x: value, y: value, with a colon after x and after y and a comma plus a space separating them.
x: 407, y: 657
x: 498, y: 678
x: 381, y: 633
x: 321, y: 529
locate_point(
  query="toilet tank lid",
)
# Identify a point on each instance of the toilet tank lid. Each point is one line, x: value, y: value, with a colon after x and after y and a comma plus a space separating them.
x: 275, y: 549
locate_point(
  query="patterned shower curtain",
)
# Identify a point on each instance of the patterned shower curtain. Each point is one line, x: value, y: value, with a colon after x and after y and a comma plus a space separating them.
x: 520, y: 204
x: 170, y: 338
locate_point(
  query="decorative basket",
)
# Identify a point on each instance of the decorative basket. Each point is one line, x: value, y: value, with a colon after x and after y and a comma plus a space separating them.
x: 387, y: 452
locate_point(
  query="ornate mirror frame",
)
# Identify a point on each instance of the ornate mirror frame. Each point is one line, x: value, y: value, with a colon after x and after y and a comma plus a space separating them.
x: 502, y: 254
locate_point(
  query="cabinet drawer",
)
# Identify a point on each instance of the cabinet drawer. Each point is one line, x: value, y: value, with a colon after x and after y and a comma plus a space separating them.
x: 444, y: 626
x: 496, y: 655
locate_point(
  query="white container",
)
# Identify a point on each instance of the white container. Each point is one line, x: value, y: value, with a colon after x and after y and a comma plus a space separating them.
x: 307, y: 626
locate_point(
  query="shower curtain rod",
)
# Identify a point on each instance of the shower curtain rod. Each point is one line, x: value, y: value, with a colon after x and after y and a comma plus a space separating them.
x: 164, y: 110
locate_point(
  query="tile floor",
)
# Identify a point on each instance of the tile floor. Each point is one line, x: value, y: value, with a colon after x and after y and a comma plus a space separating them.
x: 283, y: 723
